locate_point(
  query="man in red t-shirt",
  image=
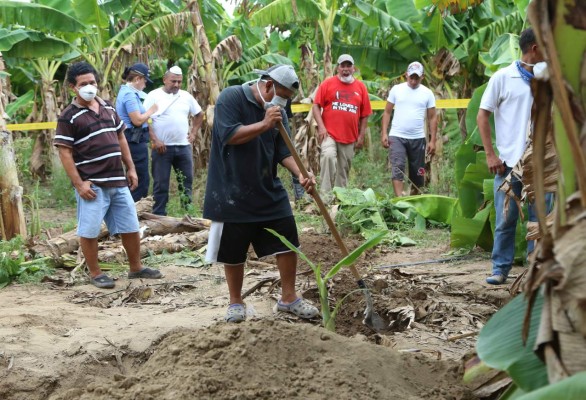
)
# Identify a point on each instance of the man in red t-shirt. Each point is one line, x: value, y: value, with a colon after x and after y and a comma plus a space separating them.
x: 342, y: 123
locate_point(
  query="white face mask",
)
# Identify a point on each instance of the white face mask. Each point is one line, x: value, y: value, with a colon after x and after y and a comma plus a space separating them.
x: 276, y: 101
x: 88, y: 92
x: 540, y: 71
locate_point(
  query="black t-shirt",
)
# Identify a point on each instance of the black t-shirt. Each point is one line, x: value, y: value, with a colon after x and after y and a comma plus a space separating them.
x: 242, y: 183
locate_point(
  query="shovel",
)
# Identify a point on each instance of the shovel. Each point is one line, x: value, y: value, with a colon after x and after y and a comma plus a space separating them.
x: 371, y: 318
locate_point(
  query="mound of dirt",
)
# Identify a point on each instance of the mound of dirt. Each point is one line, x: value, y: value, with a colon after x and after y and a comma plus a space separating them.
x: 274, y: 360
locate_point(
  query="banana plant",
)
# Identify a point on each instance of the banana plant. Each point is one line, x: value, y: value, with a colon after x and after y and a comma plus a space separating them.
x: 322, y: 278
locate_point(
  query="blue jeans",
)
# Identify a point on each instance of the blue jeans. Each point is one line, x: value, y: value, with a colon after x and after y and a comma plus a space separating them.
x: 181, y: 159
x: 140, y: 157
x: 113, y: 205
x: 549, y: 199
x: 503, y: 251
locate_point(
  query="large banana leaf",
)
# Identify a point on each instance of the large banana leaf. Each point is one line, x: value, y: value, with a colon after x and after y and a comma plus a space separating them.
x: 470, y: 188
x: 486, y: 35
x: 402, y: 10
x: 500, y: 344
x: 22, y: 43
x: 469, y: 232
x: 281, y: 12
x: 90, y: 13
x: 433, y: 33
x: 472, y: 109
x: 114, y: 6
x: 166, y: 26
x: 38, y: 16
x: 572, y: 388
x: 430, y: 206
x: 503, y: 52
x: 23, y: 101
x: 375, y: 16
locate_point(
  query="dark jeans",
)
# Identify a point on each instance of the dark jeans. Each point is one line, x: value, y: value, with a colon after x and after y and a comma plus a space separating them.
x: 181, y: 159
x: 140, y: 157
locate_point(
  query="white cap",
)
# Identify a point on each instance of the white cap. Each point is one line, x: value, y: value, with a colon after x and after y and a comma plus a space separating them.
x: 282, y: 74
x: 175, y: 70
x: 415, y: 68
x: 345, y: 57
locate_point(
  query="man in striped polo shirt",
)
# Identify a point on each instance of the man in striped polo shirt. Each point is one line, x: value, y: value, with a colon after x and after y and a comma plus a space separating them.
x: 92, y: 148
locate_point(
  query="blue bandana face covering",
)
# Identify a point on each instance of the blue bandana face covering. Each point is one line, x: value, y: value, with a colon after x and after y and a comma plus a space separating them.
x: 526, y: 75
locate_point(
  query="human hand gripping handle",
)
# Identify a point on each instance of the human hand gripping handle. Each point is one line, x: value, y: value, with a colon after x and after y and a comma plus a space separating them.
x: 273, y: 116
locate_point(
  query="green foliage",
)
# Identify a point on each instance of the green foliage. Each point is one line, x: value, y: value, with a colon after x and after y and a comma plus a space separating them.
x: 430, y: 206
x: 366, y: 213
x: 572, y: 388
x: 13, y: 265
x: 328, y: 315
x: 32, y: 202
x: 62, y: 194
x: 22, y: 105
x: 503, y: 52
x: 500, y: 344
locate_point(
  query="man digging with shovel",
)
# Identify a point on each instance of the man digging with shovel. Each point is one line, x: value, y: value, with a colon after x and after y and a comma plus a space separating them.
x: 244, y: 196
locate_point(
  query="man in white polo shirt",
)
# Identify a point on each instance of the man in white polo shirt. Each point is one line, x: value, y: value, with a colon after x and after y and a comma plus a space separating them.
x: 171, y: 146
x: 508, y: 96
x: 413, y: 103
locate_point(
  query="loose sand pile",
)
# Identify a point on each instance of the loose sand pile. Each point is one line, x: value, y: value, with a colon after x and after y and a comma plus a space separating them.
x: 275, y: 360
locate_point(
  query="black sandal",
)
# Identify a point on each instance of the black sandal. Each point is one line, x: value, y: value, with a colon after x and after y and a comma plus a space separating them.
x: 102, y: 281
x: 145, y: 273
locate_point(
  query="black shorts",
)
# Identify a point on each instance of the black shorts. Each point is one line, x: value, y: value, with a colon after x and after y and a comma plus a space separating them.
x: 228, y: 242
x: 401, y: 150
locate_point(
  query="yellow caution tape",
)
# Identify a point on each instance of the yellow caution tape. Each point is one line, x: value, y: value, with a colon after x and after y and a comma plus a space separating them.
x: 381, y: 104
x: 296, y: 108
x: 32, y: 127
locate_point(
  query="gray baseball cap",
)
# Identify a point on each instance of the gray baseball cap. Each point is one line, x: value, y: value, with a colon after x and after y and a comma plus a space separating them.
x: 282, y: 74
x: 345, y: 57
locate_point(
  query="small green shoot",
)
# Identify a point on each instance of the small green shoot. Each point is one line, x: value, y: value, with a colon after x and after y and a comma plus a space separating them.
x: 329, y: 315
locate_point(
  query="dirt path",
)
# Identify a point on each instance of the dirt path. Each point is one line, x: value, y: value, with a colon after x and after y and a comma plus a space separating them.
x: 56, y: 341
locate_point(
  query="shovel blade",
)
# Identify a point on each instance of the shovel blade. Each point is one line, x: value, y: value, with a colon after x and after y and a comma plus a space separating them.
x: 371, y: 318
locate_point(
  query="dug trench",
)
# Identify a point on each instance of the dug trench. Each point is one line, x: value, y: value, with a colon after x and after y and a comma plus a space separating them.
x: 167, y: 341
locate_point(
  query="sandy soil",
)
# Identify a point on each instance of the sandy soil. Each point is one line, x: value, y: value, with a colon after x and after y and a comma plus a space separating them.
x: 166, y: 341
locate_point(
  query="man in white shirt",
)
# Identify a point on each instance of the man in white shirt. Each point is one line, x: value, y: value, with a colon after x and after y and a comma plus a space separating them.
x: 508, y: 96
x: 406, y: 140
x: 170, y: 140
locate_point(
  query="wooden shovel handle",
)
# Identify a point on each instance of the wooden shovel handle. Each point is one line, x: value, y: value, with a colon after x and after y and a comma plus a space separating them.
x: 322, y: 208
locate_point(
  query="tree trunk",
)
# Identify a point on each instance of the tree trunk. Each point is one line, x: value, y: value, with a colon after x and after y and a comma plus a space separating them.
x: 154, y: 225
x: 12, y: 221
x: 45, y: 157
x: 203, y: 84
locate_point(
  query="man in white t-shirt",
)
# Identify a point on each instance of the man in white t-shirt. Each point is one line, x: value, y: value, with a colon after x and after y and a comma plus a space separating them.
x: 171, y: 143
x: 508, y: 96
x: 406, y: 140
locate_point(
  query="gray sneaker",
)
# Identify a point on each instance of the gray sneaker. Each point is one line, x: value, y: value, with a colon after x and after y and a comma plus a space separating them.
x: 235, y: 313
